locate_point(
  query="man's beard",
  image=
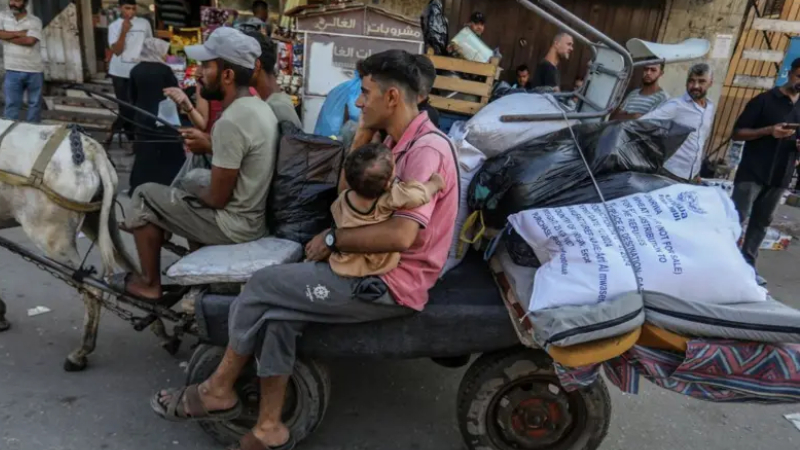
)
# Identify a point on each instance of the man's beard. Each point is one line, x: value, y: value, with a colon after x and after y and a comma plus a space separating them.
x: 646, y: 82
x: 212, y: 93
x: 697, y: 95
x: 17, y: 9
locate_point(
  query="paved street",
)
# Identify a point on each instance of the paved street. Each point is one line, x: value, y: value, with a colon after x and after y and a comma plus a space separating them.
x: 375, y: 406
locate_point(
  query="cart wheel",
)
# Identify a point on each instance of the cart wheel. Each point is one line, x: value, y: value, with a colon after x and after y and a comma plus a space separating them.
x: 512, y: 400
x: 307, y: 396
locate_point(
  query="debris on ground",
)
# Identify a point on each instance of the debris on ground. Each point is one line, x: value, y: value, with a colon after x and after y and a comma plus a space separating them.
x: 39, y: 310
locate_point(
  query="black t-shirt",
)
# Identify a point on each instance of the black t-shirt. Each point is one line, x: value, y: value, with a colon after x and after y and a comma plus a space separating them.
x: 546, y: 75
x: 147, y: 83
x: 768, y: 161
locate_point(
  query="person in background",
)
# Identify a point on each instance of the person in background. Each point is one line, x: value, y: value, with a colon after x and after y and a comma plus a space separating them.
x: 572, y: 102
x: 21, y: 34
x: 477, y: 23
x: 695, y: 111
x: 172, y: 13
x: 157, y: 159
x: 523, y: 80
x: 266, y: 82
x: 547, y: 73
x: 768, y: 125
x: 259, y: 22
x: 126, y: 36
x: 645, y: 99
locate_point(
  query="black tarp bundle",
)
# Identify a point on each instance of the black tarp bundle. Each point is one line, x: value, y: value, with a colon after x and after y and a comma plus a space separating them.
x: 538, y: 173
x: 305, y: 184
x: 435, y: 28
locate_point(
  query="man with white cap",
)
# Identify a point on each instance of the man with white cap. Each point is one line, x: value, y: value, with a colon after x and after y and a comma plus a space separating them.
x: 231, y: 210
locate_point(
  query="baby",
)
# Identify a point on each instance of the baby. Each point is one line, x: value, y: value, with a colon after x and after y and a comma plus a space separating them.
x: 373, y: 197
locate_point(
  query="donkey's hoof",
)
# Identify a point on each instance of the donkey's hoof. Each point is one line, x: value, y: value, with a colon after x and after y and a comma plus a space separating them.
x: 4, y: 325
x: 71, y: 366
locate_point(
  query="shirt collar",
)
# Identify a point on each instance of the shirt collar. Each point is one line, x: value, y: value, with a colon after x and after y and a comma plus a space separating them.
x: 688, y: 99
x: 412, y: 130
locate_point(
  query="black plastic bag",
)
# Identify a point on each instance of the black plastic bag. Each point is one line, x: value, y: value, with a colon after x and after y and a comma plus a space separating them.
x: 613, y: 186
x: 435, y: 28
x: 528, y: 175
x: 305, y: 184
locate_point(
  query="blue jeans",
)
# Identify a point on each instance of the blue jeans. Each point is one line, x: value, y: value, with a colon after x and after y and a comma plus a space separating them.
x: 14, y: 87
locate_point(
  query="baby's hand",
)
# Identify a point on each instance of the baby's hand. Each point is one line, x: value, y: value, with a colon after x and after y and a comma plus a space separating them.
x: 437, y: 181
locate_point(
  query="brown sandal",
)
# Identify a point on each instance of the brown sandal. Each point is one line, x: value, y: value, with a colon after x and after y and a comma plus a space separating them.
x: 193, y: 410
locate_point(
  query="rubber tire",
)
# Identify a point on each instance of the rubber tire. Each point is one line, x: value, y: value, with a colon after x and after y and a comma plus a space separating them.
x: 491, y: 372
x: 312, y: 387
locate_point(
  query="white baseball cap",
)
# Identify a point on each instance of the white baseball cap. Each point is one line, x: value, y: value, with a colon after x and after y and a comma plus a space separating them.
x: 228, y: 44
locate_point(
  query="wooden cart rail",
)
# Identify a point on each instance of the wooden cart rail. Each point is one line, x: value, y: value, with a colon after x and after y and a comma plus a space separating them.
x: 453, y: 85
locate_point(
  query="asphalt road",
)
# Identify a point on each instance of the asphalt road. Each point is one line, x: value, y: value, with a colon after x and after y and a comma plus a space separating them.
x: 374, y: 406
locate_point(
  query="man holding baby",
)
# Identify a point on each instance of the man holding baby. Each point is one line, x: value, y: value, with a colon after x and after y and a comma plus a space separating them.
x: 394, y: 225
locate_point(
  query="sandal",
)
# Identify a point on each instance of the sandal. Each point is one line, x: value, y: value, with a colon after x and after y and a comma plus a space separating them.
x: 119, y: 283
x: 251, y: 442
x: 176, y: 410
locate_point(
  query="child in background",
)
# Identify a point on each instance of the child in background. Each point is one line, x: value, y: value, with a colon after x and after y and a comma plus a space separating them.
x: 373, y: 197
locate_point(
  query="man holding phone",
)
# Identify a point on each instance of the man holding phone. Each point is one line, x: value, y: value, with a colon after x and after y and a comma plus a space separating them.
x: 768, y: 125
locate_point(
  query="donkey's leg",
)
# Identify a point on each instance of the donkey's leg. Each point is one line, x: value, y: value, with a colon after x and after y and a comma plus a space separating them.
x: 54, y: 230
x: 4, y: 325
x: 77, y: 360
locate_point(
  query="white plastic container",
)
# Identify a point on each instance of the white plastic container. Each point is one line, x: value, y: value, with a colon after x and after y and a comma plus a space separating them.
x: 471, y: 47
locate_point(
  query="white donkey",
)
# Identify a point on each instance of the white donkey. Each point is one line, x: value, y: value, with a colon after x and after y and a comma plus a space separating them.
x: 49, y: 177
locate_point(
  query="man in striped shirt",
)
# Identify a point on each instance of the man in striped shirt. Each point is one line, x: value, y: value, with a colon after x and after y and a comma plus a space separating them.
x: 641, y: 101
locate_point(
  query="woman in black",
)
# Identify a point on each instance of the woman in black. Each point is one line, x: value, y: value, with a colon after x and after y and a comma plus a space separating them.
x: 158, y: 149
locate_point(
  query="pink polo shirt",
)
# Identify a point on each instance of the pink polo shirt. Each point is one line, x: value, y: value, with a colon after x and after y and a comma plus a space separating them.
x: 419, y: 153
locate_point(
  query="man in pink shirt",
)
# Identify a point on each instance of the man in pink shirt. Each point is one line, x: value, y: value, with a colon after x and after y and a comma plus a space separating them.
x: 278, y: 302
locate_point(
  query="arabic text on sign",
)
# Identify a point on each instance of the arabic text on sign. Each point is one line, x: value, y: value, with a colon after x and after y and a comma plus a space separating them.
x: 381, y: 28
x: 337, y: 22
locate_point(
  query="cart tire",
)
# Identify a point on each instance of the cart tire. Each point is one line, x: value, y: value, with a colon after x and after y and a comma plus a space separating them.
x: 4, y: 325
x: 512, y: 400
x: 307, y: 397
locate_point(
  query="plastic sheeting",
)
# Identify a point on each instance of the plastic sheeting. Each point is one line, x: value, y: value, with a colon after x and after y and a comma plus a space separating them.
x: 305, y: 184
x: 341, y: 100
x: 530, y: 175
x: 435, y: 28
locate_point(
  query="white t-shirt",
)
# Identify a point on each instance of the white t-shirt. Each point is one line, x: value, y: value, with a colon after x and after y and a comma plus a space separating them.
x: 22, y: 58
x: 121, y: 65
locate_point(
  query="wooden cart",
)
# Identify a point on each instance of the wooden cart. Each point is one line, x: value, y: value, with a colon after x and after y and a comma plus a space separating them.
x: 480, y: 90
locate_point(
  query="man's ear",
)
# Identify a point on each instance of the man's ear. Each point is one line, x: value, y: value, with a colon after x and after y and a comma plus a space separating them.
x: 393, y: 96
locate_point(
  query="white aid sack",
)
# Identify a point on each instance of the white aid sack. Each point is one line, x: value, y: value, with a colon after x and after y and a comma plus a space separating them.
x: 470, y: 160
x: 233, y: 263
x: 682, y: 242
x: 491, y: 136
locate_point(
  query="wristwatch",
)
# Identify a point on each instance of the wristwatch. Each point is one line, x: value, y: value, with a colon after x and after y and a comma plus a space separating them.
x: 330, y: 240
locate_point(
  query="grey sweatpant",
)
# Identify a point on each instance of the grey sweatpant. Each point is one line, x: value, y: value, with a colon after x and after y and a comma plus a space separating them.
x: 279, y: 301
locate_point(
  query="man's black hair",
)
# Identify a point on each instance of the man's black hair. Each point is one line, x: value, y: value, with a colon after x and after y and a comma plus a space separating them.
x: 523, y: 68
x: 368, y: 169
x: 241, y: 75
x: 126, y: 2
x: 260, y: 4
x: 477, y: 17
x: 428, y: 73
x: 795, y: 64
x: 269, y: 51
x: 395, y: 67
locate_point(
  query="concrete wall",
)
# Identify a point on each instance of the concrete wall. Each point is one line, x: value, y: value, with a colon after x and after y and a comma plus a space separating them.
x: 705, y: 19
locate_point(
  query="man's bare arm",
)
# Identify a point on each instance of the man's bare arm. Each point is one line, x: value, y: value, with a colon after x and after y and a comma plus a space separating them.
x: 9, y: 35
x: 223, y: 182
x: 622, y: 115
x: 119, y: 47
x: 397, y: 234
x: 749, y: 134
x: 26, y: 41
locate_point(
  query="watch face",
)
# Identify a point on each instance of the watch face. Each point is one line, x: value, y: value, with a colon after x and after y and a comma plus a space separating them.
x: 329, y: 240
